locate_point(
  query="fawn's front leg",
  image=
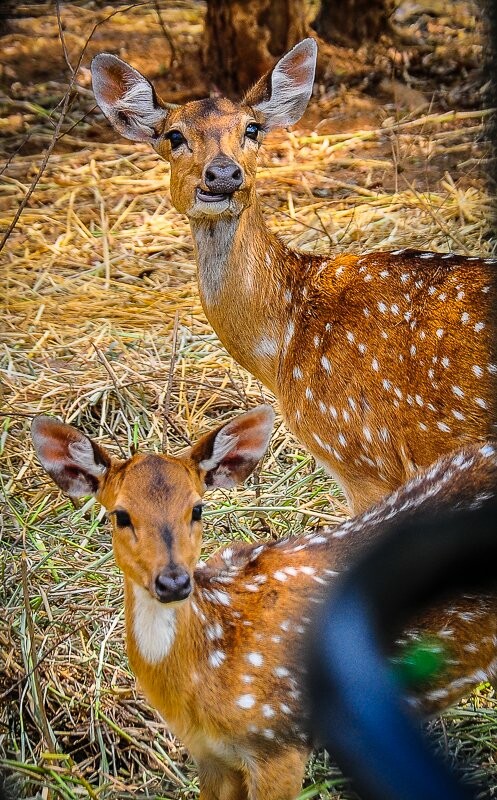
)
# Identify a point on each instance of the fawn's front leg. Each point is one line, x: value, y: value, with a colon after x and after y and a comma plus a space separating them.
x: 219, y: 781
x: 279, y: 777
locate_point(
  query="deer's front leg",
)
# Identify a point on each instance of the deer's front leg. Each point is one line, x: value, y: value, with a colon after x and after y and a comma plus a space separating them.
x: 219, y: 781
x: 279, y: 777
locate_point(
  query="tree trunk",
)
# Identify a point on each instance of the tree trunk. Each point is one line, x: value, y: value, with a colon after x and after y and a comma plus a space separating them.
x: 244, y: 38
x: 353, y: 22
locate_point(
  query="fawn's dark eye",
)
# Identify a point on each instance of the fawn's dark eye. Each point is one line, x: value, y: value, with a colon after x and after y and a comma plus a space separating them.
x: 197, y: 512
x: 123, y: 520
x: 252, y: 131
x: 176, y: 138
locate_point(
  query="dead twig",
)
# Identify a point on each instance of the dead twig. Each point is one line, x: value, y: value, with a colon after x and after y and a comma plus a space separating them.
x: 47, y: 732
x: 61, y: 37
x: 167, y: 398
x: 60, y: 121
x: 166, y: 33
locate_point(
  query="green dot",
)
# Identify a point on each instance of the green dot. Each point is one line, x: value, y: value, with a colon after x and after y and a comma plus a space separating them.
x: 420, y: 662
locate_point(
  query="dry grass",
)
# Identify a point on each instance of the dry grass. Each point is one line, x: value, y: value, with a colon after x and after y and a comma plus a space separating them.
x: 94, y: 275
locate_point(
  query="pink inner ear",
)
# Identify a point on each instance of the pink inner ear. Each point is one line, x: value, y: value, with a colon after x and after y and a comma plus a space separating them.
x: 252, y: 430
x: 113, y: 86
x: 111, y: 83
x: 52, y: 439
x: 54, y: 451
x: 251, y: 440
x: 294, y: 66
x: 70, y: 458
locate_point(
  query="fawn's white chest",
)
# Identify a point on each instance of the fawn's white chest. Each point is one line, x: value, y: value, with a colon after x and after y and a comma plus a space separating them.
x: 153, y: 625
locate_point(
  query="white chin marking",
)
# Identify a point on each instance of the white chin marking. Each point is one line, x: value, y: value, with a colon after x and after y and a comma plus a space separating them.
x: 154, y: 626
x: 210, y: 208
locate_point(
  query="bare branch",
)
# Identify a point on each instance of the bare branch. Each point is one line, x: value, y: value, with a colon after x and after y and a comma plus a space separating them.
x: 61, y: 37
x: 65, y: 106
x: 167, y: 398
x: 166, y: 33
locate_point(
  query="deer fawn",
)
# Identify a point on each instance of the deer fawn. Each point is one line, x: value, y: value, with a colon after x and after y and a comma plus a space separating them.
x: 380, y: 362
x: 218, y: 648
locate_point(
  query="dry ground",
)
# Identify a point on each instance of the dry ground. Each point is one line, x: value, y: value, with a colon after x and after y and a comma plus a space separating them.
x: 94, y: 276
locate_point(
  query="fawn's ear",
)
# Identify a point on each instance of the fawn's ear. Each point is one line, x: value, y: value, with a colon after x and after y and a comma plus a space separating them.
x: 73, y: 461
x: 282, y: 94
x: 229, y: 454
x: 127, y: 98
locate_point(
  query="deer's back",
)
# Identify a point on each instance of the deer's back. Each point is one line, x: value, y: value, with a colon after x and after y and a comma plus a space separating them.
x: 387, y: 360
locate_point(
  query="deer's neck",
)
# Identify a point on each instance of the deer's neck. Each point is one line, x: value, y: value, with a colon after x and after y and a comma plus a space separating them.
x: 151, y: 627
x: 157, y: 635
x: 243, y: 270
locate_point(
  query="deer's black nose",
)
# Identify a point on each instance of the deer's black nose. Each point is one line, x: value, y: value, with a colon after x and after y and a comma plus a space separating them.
x: 223, y: 176
x: 172, y: 584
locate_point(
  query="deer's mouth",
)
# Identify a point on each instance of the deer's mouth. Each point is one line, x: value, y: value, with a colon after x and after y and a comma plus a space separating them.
x: 212, y: 197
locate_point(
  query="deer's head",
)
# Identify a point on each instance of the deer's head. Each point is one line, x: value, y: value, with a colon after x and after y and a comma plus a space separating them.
x: 154, y: 501
x: 211, y: 144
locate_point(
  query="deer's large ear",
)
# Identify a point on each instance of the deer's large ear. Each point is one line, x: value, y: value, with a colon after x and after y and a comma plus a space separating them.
x: 73, y: 461
x: 281, y: 96
x: 228, y: 455
x: 127, y: 98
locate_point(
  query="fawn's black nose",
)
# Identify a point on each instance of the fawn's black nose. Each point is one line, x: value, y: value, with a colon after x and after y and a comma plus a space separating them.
x: 172, y: 584
x: 223, y: 176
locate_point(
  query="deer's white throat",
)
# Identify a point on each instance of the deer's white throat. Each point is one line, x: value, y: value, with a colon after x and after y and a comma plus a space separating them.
x: 154, y: 625
x: 213, y: 244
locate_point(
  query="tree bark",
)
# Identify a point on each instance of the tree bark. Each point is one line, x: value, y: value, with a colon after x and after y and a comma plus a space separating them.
x: 244, y: 37
x: 353, y: 22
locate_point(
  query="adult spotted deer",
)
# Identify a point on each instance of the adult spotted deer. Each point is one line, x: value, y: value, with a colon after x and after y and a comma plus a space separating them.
x: 218, y: 648
x: 380, y: 362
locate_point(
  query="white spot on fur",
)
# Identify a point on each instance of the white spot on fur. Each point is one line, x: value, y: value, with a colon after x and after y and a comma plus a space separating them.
x: 326, y: 363
x: 246, y: 701
x: 266, y: 347
x: 281, y: 672
x: 255, y: 659
x: 214, y: 631
x: 217, y: 596
x: 290, y: 330
x: 216, y: 658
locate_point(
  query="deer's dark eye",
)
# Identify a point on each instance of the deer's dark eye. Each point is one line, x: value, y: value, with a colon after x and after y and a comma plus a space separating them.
x: 123, y: 520
x: 252, y: 131
x: 176, y: 138
x: 197, y: 512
